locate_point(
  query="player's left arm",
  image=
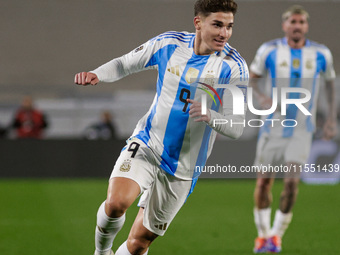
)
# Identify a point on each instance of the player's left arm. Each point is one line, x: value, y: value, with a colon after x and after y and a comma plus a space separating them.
x: 224, y: 122
x: 220, y: 122
x: 330, y: 126
x: 195, y: 111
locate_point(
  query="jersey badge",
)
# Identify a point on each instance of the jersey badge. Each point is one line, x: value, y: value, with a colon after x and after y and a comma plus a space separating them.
x: 191, y: 75
x: 125, y: 167
x: 284, y: 64
x: 296, y: 63
x: 309, y: 64
x: 209, y: 78
x: 139, y: 49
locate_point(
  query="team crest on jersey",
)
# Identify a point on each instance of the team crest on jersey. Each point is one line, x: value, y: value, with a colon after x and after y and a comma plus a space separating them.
x: 191, y: 75
x: 296, y: 63
x: 125, y: 167
x: 209, y: 78
x: 284, y: 64
x: 309, y: 64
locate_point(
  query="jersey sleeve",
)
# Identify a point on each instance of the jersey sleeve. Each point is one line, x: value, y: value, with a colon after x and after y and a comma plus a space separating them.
x: 258, y: 66
x: 329, y: 72
x: 135, y: 61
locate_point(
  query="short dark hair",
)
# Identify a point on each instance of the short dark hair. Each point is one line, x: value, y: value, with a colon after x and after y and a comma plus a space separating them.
x: 206, y: 7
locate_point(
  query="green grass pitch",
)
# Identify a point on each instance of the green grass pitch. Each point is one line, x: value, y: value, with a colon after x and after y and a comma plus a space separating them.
x: 57, y: 217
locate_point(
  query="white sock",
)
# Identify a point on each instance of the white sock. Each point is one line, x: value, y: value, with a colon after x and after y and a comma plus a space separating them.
x: 281, y: 223
x: 106, y: 230
x: 123, y: 250
x: 262, y: 221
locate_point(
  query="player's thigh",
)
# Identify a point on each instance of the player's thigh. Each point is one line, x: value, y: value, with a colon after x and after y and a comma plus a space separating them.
x: 270, y: 152
x: 296, y: 155
x: 133, y: 173
x: 121, y: 193
x: 163, y: 201
x: 298, y: 149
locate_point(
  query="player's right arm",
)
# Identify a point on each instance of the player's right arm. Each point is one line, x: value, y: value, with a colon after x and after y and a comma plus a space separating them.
x: 111, y: 71
x: 141, y: 58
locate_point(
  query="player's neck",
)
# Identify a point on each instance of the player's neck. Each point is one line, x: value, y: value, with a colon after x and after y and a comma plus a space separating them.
x: 199, y: 50
x: 199, y: 47
x: 296, y: 44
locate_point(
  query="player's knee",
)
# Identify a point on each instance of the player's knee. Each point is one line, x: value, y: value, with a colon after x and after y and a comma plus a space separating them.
x: 116, y: 207
x: 291, y: 186
x: 137, y: 245
x: 263, y: 184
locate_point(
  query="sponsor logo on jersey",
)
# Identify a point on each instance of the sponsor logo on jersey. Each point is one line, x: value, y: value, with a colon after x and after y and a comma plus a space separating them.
x: 174, y: 70
x: 161, y: 226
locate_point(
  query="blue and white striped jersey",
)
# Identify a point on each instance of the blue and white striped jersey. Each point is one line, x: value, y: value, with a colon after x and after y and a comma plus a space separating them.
x: 288, y: 67
x: 179, y: 143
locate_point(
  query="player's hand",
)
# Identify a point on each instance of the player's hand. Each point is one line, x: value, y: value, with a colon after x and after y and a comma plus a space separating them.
x: 86, y: 78
x: 195, y: 111
x: 329, y: 129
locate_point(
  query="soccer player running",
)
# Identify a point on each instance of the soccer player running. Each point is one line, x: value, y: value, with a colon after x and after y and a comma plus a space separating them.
x: 292, y: 61
x: 174, y: 136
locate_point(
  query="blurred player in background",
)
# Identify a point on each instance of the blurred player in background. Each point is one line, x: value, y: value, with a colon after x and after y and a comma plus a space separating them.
x: 29, y: 122
x: 174, y: 136
x: 104, y: 129
x: 292, y: 61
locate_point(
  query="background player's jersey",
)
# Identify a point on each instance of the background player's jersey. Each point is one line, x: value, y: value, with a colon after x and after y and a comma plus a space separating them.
x: 178, y: 142
x: 288, y: 67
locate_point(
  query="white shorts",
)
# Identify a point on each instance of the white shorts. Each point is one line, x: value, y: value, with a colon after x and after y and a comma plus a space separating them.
x: 276, y: 151
x: 162, y: 194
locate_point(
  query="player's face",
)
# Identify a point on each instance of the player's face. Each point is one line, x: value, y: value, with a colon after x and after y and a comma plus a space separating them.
x: 214, y: 31
x: 295, y: 27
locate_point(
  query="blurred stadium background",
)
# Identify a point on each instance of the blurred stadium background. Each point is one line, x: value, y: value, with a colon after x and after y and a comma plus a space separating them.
x: 44, y: 43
